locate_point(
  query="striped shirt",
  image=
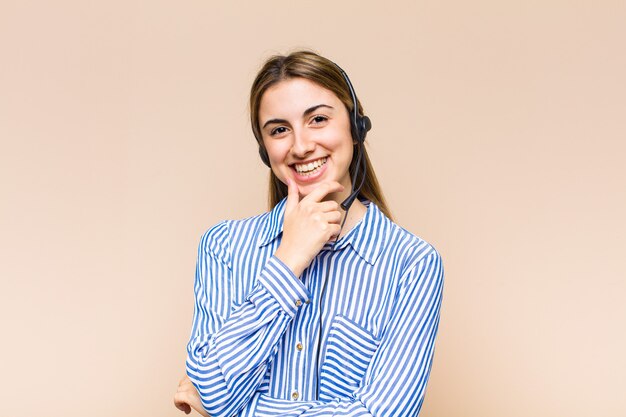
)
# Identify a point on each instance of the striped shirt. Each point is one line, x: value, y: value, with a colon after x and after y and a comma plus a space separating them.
x: 254, y: 343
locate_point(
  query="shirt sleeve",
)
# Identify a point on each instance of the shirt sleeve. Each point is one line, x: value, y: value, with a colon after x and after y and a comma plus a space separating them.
x: 229, y: 351
x: 395, y: 381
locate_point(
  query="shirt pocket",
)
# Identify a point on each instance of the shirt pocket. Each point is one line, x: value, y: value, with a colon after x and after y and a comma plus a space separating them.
x: 349, y: 350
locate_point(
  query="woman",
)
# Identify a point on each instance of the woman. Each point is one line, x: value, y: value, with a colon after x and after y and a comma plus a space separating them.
x: 322, y: 305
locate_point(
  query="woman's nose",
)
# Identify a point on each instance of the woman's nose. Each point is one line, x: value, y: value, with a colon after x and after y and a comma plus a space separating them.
x: 302, y: 145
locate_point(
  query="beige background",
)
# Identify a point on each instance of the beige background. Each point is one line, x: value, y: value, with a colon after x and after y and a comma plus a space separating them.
x: 499, y: 136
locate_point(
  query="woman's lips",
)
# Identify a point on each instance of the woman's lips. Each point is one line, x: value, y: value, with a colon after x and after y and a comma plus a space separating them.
x: 309, y: 166
x: 311, y: 175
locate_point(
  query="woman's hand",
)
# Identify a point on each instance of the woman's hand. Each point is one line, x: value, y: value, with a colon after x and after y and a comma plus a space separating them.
x: 187, y: 397
x: 309, y: 223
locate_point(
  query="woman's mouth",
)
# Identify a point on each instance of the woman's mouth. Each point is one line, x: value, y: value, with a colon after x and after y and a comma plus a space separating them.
x: 310, y: 168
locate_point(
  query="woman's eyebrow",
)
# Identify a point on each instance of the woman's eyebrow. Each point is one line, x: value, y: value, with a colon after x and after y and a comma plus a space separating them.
x: 273, y: 121
x: 312, y: 109
x: 304, y: 114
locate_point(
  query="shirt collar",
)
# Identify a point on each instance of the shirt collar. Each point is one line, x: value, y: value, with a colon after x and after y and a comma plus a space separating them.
x: 367, y: 238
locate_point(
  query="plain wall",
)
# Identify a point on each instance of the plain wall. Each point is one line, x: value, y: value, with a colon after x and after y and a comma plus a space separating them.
x: 499, y: 136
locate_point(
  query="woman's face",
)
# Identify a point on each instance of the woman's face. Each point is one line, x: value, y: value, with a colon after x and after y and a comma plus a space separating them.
x: 306, y: 132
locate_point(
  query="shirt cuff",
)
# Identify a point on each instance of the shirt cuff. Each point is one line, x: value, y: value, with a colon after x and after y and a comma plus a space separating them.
x: 284, y: 286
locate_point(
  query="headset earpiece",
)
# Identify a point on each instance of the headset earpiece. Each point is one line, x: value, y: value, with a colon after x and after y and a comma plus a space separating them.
x: 361, y: 126
x: 367, y: 125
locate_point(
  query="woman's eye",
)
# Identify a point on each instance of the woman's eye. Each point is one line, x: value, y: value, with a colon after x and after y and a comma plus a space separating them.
x: 319, y: 119
x: 278, y: 130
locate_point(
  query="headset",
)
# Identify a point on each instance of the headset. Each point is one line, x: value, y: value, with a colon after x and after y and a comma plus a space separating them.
x: 359, y: 126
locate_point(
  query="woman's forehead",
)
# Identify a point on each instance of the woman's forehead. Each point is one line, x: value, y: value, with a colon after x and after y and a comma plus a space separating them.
x: 295, y: 94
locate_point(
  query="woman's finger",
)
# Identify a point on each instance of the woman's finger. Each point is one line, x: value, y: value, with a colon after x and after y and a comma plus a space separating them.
x: 330, y: 205
x: 180, y: 402
x: 333, y: 217
x: 323, y: 190
x: 293, y: 196
x: 334, y: 230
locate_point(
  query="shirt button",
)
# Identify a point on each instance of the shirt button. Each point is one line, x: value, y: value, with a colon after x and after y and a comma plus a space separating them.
x: 298, y: 303
x: 299, y: 346
x: 307, y: 302
x: 295, y: 395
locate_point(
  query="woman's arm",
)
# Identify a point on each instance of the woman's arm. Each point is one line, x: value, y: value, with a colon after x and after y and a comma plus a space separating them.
x: 228, y: 353
x: 395, y: 381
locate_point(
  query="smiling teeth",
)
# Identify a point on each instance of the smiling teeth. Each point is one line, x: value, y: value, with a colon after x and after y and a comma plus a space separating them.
x: 311, y: 167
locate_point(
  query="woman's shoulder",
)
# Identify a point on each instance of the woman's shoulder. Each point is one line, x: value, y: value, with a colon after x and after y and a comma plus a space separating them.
x: 224, y: 228
x: 223, y: 235
x: 412, y: 247
x: 415, y: 242
x: 418, y: 260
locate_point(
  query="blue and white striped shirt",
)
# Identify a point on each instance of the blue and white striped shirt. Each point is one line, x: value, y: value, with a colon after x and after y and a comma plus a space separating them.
x: 254, y: 341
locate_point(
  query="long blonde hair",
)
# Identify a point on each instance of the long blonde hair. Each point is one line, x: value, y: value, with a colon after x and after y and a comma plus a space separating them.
x: 316, y: 68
